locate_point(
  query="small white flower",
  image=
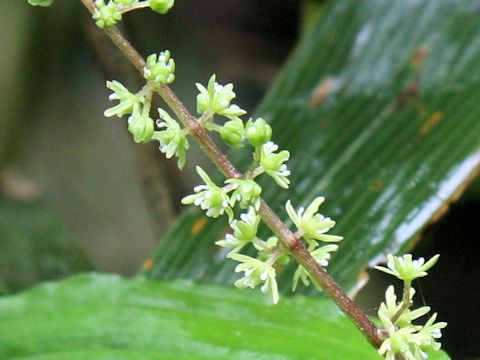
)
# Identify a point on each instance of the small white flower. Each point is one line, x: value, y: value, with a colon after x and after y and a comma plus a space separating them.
x: 428, y: 335
x: 273, y: 164
x: 409, y: 340
x: 173, y: 140
x: 313, y: 225
x: 247, y: 192
x: 216, y: 98
x: 126, y: 99
x: 244, y: 231
x: 398, y: 342
x: 404, y: 268
x: 256, y: 272
x: 322, y: 256
x: 209, y: 197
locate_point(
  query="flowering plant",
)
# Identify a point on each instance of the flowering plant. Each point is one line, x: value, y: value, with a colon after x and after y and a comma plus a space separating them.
x: 398, y: 336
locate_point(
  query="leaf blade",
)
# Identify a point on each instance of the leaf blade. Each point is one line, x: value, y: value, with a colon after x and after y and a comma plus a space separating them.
x: 107, y: 317
x: 392, y: 142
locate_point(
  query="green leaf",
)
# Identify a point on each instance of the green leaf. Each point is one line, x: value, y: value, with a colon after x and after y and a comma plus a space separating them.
x: 43, y: 3
x: 379, y: 107
x: 107, y: 317
x: 34, y: 246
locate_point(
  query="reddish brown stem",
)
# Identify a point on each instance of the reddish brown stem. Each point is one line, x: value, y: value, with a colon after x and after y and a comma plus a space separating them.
x: 288, y: 239
x: 320, y: 276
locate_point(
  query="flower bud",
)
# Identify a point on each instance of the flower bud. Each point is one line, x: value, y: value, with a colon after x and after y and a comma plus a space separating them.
x: 106, y: 15
x: 160, y: 69
x: 161, y: 6
x: 141, y: 127
x: 233, y: 132
x: 258, y: 132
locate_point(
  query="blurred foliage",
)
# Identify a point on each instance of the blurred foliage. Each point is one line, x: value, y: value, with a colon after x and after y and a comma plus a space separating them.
x: 35, y: 246
x: 107, y: 317
x: 55, y: 134
x: 379, y: 107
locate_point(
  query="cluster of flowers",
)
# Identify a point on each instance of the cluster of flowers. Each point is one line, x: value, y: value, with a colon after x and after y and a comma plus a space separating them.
x: 108, y: 14
x: 216, y: 100
x: 215, y: 200
x: 405, y: 338
x: 400, y: 335
x: 173, y: 139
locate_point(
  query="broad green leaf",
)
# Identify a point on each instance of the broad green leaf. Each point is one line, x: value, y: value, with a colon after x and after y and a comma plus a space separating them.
x: 107, y: 317
x: 35, y: 246
x: 379, y: 106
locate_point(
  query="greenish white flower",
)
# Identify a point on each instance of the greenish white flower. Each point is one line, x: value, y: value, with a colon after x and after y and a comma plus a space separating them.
x: 390, y: 307
x: 398, y: 342
x: 209, y: 197
x: 246, y: 191
x: 273, y: 164
x: 244, y: 231
x: 126, y: 99
x: 258, y: 132
x: 256, y: 272
x: 141, y: 127
x: 160, y: 69
x: 106, y: 15
x: 161, y: 6
x: 404, y: 337
x: 404, y: 268
x: 312, y: 224
x: 428, y: 335
x: 173, y: 140
x: 271, y: 251
x: 322, y: 256
x: 266, y: 248
x: 432, y: 328
x: 233, y: 132
x: 410, y: 341
x: 216, y: 98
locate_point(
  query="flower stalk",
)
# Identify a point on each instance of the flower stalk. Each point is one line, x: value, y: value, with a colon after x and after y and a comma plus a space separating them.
x: 406, y: 301
x: 215, y: 99
x: 398, y: 337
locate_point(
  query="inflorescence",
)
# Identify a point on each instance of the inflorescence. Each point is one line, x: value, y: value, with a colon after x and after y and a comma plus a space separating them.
x: 235, y: 195
x: 400, y: 336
